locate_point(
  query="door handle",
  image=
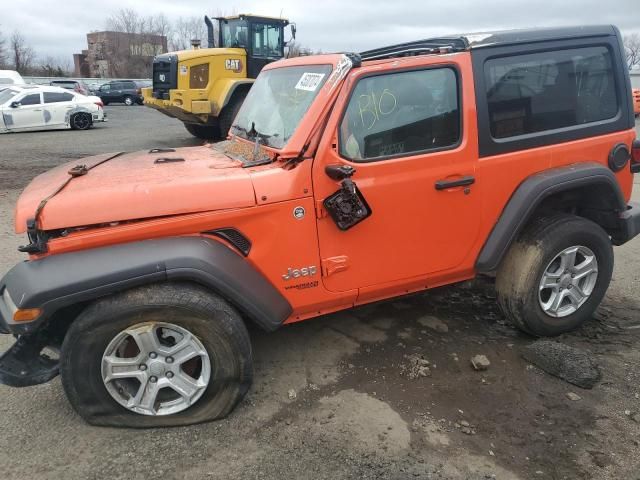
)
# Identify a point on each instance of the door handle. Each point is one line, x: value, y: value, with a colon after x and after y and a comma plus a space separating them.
x: 458, y: 182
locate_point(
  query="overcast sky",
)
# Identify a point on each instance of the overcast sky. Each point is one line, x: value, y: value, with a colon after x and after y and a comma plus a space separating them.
x: 58, y: 28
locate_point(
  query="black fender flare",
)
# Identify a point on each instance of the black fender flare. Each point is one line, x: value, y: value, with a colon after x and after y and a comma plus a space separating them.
x: 58, y: 281
x: 531, y: 193
x: 234, y: 88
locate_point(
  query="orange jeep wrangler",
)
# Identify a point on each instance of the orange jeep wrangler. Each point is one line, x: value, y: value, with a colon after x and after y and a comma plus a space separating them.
x: 346, y: 179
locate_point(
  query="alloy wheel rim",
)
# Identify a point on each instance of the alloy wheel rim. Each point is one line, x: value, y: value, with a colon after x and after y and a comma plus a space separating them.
x: 156, y: 368
x: 568, y: 281
x: 80, y: 121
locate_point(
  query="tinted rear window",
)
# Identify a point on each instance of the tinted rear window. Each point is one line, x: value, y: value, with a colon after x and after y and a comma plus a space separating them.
x: 551, y: 90
x: 56, y: 97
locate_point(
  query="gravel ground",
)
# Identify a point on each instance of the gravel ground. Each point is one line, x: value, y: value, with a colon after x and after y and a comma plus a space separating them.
x: 382, y: 391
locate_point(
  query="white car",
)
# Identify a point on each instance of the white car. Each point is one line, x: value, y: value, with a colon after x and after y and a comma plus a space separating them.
x: 36, y: 107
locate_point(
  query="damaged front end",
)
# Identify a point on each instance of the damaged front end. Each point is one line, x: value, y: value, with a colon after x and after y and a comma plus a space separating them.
x: 27, y: 363
x: 33, y: 358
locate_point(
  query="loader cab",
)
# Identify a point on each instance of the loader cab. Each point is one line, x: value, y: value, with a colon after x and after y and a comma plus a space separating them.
x: 261, y: 37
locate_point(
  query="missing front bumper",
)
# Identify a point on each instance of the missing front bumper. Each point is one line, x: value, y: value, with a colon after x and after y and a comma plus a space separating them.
x: 25, y: 364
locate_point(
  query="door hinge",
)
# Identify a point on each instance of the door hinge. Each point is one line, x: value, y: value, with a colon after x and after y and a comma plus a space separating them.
x: 321, y: 212
x: 333, y: 265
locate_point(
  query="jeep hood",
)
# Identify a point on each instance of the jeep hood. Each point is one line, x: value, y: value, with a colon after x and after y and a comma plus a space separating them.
x: 135, y: 186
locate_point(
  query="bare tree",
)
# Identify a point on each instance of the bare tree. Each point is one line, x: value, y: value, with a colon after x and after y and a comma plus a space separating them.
x: 131, y: 54
x: 50, y: 66
x: 186, y: 29
x: 21, y: 54
x: 125, y: 20
x: 294, y: 49
x: 3, y: 51
x: 632, y: 50
x: 159, y: 25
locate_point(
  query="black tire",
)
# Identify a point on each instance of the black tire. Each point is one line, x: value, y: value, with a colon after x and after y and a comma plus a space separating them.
x: 229, y: 112
x: 81, y: 121
x: 128, y: 101
x: 216, y: 324
x: 204, y: 132
x: 518, y: 278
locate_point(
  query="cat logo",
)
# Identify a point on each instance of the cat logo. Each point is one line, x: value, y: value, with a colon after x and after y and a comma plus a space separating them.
x: 162, y: 77
x: 233, y: 64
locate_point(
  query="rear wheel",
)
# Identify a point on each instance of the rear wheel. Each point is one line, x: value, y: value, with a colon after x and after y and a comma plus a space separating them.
x: 128, y: 101
x: 555, y: 275
x: 80, y: 121
x: 229, y: 112
x: 162, y: 355
x: 204, y: 132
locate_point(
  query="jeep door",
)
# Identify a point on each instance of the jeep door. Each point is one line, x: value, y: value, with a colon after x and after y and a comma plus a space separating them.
x: 408, y: 129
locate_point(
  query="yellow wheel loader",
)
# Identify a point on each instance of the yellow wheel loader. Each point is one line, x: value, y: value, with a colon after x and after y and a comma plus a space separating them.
x: 205, y: 87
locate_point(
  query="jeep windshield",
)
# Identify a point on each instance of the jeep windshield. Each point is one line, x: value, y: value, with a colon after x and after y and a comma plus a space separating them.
x: 277, y: 102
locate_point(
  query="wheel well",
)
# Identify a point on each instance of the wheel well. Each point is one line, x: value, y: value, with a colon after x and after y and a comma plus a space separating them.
x: 588, y: 190
x: 596, y: 202
x: 58, y: 324
x: 243, y: 88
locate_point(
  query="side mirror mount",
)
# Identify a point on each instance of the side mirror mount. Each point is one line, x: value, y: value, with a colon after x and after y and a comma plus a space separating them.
x: 15, y: 104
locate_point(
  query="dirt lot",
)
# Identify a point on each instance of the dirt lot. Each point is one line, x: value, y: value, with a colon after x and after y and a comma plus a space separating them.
x: 338, y: 397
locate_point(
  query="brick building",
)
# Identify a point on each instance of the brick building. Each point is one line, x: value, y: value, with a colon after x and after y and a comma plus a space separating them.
x: 118, y: 54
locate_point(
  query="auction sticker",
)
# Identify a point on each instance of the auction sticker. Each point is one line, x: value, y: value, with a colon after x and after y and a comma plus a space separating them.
x: 183, y: 69
x: 309, y: 81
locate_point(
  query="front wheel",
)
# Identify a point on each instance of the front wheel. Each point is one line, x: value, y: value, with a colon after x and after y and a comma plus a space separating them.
x: 162, y: 355
x: 229, y: 113
x: 555, y: 275
x: 204, y: 132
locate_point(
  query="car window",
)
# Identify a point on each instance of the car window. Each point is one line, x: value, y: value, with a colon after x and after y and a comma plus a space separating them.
x: 106, y: 87
x: 128, y: 85
x: 56, y: 97
x: 116, y: 86
x: 550, y: 90
x: 6, y: 95
x: 31, y: 99
x: 401, y: 113
x: 266, y: 40
x: 235, y: 34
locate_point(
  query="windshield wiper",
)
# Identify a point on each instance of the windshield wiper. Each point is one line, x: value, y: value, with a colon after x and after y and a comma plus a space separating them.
x: 238, y: 127
x: 254, y: 134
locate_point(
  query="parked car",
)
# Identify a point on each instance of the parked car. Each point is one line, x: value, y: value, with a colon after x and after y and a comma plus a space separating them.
x: 33, y: 107
x: 93, y: 87
x: 636, y: 102
x: 121, y: 91
x: 75, y: 85
x: 10, y: 77
x: 346, y: 179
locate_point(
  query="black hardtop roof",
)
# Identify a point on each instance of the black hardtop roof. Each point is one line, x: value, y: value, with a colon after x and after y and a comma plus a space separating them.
x: 511, y: 37
x: 472, y: 41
